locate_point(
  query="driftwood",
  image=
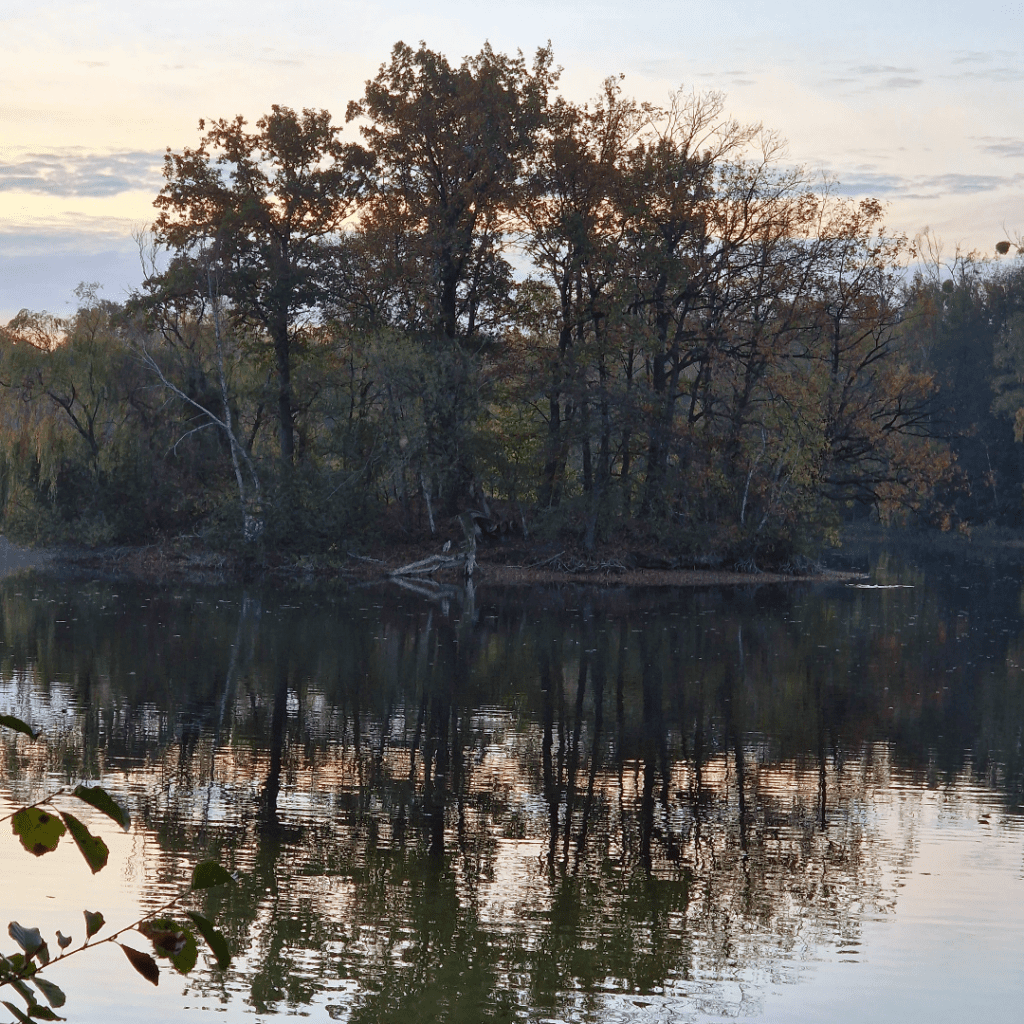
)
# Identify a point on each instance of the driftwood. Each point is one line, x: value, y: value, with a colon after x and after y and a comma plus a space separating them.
x: 425, y: 566
x: 465, y: 559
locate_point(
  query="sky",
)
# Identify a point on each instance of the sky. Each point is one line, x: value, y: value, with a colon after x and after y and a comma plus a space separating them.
x: 918, y: 104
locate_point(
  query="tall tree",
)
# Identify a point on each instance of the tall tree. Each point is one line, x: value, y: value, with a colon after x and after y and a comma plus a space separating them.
x: 450, y: 146
x: 267, y: 208
x: 574, y: 232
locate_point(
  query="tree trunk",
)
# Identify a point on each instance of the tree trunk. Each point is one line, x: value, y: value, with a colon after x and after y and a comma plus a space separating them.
x: 285, y: 415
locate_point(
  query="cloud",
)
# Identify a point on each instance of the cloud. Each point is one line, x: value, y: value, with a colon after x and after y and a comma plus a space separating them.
x: 679, y: 67
x: 875, y: 77
x: 73, y: 172
x: 863, y: 70
x: 994, y: 66
x: 1001, y: 145
x: 1007, y: 73
x: 900, y: 82
x: 69, y: 233
x: 895, y: 186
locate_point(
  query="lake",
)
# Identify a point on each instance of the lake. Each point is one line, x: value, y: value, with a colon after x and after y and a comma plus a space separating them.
x: 775, y: 803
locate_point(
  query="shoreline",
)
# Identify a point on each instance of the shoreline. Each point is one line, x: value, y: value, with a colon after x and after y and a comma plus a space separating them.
x: 169, y: 564
x: 511, y: 576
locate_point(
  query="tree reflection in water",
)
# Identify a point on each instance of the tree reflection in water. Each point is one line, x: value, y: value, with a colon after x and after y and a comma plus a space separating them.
x: 535, y: 804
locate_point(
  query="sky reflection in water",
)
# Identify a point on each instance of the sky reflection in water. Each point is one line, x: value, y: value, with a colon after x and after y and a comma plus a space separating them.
x: 788, y: 804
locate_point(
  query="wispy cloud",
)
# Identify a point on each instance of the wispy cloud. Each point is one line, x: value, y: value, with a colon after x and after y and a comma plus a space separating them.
x: 76, y: 173
x: 900, y: 82
x: 875, y: 77
x: 69, y: 233
x: 865, y: 70
x: 1001, y: 145
x: 680, y: 69
x: 996, y: 66
x: 895, y: 186
x: 973, y: 57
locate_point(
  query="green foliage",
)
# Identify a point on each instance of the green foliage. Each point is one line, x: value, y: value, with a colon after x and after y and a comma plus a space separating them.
x: 208, y: 874
x: 213, y: 938
x: 40, y: 832
x: 99, y: 798
x: 93, y: 848
x: 963, y: 319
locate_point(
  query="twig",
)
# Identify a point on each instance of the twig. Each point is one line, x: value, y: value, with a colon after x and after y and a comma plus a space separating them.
x: 38, y: 803
x: 547, y: 561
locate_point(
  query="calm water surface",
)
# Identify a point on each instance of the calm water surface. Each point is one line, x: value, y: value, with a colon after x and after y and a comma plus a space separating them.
x: 794, y: 803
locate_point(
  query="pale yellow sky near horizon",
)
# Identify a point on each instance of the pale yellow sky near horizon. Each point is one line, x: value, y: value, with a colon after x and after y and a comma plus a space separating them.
x: 918, y: 106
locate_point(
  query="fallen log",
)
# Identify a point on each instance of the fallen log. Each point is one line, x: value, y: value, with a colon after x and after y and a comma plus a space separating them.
x: 428, y: 565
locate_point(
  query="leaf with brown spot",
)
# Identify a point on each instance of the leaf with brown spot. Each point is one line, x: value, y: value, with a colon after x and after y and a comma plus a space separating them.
x: 38, y: 830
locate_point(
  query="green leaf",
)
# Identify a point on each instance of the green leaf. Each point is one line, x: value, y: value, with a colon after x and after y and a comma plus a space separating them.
x: 18, y: 725
x: 214, y: 939
x: 39, y: 1012
x: 29, y: 939
x: 38, y: 830
x: 99, y: 798
x: 24, y: 991
x: 93, y: 923
x: 143, y: 963
x: 94, y: 850
x: 209, y: 873
x: 18, y: 1015
x: 15, y: 962
x: 63, y: 940
x: 53, y: 994
x: 173, y: 941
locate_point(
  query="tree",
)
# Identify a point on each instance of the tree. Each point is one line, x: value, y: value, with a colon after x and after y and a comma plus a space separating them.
x: 450, y: 147
x: 75, y: 425
x: 700, y: 216
x: 182, y: 318
x: 958, y: 317
x: 266, y: 208
x: 573, y: 219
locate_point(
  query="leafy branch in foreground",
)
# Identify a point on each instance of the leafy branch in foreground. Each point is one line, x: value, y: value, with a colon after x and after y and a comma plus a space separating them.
x: 40, y: 827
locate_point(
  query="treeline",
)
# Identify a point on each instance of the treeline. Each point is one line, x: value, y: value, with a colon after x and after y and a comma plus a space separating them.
x: 597, y: 321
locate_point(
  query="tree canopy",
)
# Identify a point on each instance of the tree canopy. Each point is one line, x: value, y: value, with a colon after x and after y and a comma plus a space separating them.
x: 600, y: 322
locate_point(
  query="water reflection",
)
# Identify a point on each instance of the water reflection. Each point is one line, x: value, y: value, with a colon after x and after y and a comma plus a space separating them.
x: 547, y: 804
